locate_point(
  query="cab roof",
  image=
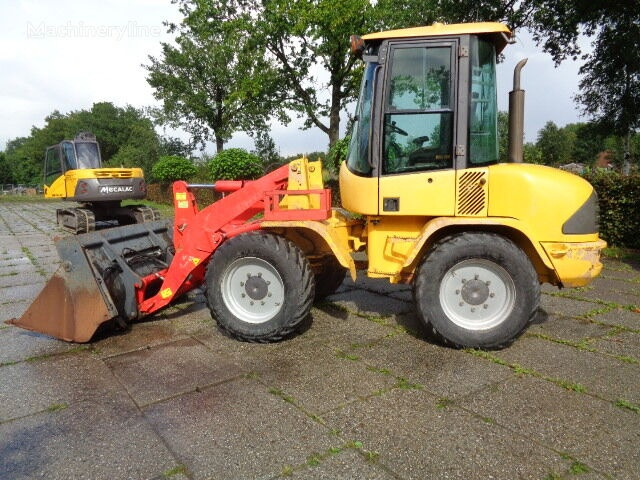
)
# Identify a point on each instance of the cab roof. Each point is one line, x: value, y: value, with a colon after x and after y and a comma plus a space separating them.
x: 493, y: 29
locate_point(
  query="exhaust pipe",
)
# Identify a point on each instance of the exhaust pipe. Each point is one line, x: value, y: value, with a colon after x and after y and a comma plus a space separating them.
x: 516, y: 117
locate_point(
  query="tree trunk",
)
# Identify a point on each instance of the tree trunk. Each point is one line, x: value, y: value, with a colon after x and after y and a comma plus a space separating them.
x: 219, y: 144
x: 334, y: 115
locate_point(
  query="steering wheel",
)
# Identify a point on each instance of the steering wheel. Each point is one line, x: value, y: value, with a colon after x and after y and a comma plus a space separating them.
x: 419, y: 141
x: 395, y: 129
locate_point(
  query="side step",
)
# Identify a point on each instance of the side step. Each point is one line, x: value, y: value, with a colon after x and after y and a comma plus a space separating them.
x: 96, y: 281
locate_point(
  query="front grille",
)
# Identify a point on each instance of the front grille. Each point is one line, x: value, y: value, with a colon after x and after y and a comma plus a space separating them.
x: 114, y: 173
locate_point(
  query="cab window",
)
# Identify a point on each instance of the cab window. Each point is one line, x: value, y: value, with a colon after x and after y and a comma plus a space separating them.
x: 418, y: 117
x: 69, y: 156
x: 53, y: 168
x: 483, y: 114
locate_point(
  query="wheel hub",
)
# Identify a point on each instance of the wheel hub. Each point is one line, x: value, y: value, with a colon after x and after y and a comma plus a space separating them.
x: 252, y: 290
x: 475, y: 292
x: 256, y: 287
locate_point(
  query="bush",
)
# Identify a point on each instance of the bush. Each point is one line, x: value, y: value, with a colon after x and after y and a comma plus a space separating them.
x: 235, y: 164
x: 619, y: 207
x: 172, y: 168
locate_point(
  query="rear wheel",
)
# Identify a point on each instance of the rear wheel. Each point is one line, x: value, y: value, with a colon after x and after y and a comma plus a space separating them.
x: 259, y: 287
x: 477, y: 290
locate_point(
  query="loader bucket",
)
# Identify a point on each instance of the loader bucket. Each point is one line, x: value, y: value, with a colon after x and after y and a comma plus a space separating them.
x: 79, y: 298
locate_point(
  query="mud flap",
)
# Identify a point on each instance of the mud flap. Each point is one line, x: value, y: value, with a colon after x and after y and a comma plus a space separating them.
x: 76, y: 300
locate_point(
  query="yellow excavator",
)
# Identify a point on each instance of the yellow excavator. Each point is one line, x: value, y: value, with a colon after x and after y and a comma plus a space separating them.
x: 73, y: 171
x: 424, y: 195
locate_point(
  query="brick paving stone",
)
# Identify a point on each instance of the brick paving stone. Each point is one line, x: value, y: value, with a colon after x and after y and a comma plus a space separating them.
x: 566, y: 306
x: 368, y: 303
x: 417, y: 440
x: 348, y: 464
x: 20, y: 292
x: 619, y: 316
x: 595, y: 432
x: 567, y: 328
x: 33, y: 386
x: 103, y: 439
x: 186, y: 365
x: 604, y: 376
x: 237, y: 430
x: 440, y: 370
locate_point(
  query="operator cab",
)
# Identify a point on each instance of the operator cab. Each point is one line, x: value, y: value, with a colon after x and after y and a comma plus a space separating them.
x: 80, y: 153
x: 427, y: 108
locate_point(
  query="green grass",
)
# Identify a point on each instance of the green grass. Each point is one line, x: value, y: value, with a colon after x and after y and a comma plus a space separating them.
x: 177, y: 470
x: 56, y: 407
x: 620, y: 253
x: 166, y: 211
x: 622, y: 403
x: 21, y: 198
x: 578, y: 468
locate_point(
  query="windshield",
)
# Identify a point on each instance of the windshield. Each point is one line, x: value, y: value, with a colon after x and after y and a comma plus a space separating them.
x: 88, y: 155
x: 358, y: 156
x: 483, y: 131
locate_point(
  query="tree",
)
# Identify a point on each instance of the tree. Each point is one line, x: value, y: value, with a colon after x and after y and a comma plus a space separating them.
x: 610, y: 76
x: 173, y: 146
x: 213, y: 81
x: 412, y: 13
x: 303, y: 36
x: 503, y: 136
x: 589, y: 142
x: 554, y: 144
x: 126, y: 137
x: 265, y: 148
x: 6, y: 174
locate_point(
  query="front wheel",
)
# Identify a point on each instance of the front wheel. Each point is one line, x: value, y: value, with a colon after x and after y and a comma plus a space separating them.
x: 259, y: 287
x: 477, y: 290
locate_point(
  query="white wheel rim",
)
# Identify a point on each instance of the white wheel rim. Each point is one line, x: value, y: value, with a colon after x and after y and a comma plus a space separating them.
x: 252, y: 290
x: 477, y: 294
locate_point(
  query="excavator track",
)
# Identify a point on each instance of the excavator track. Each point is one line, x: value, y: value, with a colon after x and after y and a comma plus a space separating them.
x: 144, y: 214
x: 83, y: 219
x: 77, y: 220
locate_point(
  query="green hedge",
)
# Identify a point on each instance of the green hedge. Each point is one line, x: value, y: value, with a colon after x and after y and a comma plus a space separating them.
x: 172, y: 168
x: 619, y: 198
x: 235, y: 164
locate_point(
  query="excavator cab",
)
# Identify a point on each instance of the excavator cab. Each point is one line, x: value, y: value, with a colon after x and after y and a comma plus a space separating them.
x: 73, y: 171
x: 81, y: 153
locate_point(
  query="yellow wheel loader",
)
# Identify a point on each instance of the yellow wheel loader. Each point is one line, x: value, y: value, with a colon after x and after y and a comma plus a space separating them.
x: 423, y: 194
x: 73, y: 171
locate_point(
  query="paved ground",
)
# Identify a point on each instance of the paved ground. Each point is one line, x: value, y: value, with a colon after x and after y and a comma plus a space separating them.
x: 361, y: 394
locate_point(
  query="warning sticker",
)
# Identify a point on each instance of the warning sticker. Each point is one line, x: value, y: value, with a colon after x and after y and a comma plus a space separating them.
x: 166, y: 293
x: 183, y: 204
x: 195, y: 260
x: 181, y: 196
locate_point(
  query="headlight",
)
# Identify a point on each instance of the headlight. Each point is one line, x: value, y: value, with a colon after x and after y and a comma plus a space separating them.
x: 586, y: 218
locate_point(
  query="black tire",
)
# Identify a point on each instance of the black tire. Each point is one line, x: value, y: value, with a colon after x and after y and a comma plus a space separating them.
x: 329, y: 278
x: 259, y: 287
x: 476, y: 290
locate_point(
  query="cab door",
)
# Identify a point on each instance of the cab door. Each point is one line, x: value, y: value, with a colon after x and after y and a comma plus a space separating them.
x: 419, y: 124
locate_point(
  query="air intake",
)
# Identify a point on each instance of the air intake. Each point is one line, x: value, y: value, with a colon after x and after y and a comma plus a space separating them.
x: 472, y: 194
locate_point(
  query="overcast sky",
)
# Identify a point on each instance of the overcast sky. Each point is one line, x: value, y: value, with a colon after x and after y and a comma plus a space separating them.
x: 68, y: 54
